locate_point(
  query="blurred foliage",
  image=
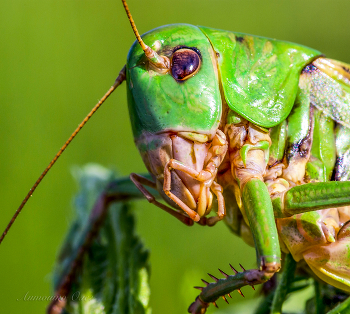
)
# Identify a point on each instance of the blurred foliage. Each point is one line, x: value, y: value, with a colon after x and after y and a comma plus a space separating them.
x: 115, y: 271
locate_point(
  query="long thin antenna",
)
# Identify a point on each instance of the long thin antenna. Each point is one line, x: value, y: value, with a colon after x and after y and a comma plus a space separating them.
x: 161, y: 62
x: 118, y: 81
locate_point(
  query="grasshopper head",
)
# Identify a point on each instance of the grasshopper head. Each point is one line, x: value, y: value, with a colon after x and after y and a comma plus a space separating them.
x: 175, y: 112
x: 184, y: 98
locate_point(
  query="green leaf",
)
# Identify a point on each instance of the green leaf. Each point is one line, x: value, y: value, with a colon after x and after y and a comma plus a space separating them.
x: 115, y: 271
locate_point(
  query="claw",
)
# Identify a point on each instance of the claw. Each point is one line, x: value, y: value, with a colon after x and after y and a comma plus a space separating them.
x: 222, y: 272
x: 236, y: 272
x: 213, y: 277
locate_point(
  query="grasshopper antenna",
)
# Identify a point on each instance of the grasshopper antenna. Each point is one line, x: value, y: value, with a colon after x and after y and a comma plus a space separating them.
x: 162, y: 63
x: 118, y: 81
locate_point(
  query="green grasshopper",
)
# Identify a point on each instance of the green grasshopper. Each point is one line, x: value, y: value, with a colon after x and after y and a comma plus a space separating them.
x: 251, y: 134
x: 265, y: 120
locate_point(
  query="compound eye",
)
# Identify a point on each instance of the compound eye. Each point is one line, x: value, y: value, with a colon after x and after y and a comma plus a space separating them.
x: 185, y: 63
x: 344, y: 231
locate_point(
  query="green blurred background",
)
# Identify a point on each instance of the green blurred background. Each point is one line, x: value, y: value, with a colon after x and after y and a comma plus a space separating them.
x: 57, y: 58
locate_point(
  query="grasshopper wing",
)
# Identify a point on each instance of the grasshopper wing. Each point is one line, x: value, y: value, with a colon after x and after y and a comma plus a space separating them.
x: 330, y: 89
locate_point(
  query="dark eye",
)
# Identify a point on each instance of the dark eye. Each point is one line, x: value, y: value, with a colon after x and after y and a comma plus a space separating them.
x: 185, y: 63
x: 344, y: 231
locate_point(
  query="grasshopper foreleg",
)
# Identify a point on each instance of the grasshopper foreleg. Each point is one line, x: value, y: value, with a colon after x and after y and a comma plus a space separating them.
x: 221, y: 287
